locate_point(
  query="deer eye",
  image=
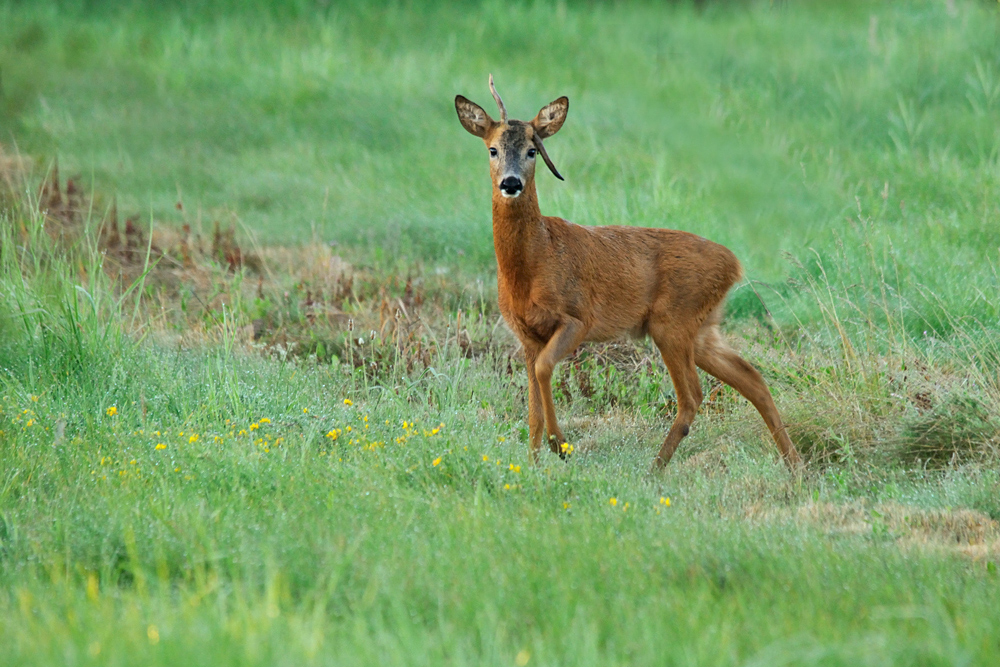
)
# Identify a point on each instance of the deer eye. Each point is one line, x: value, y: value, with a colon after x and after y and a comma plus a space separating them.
x: 493, y: 152
x: 531, y: 152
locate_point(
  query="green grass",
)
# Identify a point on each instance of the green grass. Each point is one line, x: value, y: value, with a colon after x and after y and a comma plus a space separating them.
x: 769, y: 129
x: 226, y: 546
x: 210, y: 518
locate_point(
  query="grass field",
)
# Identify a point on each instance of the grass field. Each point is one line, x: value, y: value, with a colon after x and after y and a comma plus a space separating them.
x: 306, y: 443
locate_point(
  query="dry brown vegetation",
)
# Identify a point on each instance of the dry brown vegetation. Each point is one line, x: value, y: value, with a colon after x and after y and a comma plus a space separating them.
x: 842, y: 406
x: 963, y: 531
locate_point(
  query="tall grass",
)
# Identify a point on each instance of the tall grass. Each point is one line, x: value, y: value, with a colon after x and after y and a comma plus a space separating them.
x: 61, y: 319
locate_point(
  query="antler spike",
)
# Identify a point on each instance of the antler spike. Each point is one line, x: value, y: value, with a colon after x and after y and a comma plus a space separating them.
x: 496, y: 96
x: 545, y: 156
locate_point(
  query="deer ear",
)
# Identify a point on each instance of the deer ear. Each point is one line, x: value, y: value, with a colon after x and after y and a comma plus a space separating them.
x: 551, y: 117
x: 473, y: 117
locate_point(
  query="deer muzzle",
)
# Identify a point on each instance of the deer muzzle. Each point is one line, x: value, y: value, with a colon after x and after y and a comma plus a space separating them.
x: 511, y: 186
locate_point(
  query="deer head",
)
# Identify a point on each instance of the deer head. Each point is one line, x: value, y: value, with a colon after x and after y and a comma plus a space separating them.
x: 513, y: 144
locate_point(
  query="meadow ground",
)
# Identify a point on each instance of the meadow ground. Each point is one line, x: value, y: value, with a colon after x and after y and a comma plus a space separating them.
x: 303, y: 442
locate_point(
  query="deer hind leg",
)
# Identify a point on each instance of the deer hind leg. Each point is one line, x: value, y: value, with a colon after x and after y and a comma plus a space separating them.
x: 716, y: 358
x: 569, y: 334
x: 536, y: 418
x: 678, y: 355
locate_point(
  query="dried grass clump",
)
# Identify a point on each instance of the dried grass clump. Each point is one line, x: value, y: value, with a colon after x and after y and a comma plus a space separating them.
x: 833, y: 430
x: 966, y: 531
x: 960, y: 428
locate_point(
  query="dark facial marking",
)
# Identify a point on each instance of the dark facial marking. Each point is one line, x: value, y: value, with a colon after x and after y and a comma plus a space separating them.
x: 514, y: 139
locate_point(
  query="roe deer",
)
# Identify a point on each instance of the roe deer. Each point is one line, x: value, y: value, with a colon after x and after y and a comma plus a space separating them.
x: 561, y: 284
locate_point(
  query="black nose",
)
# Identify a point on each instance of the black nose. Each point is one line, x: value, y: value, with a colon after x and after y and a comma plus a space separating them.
x: 511, y: 185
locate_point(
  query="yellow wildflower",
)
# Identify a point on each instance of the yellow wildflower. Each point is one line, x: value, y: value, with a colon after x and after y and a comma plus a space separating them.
x: 625, y: 509
x: 333, y: 434
x: 265, y: 420
x: 436, y: 461
x: 565, y: 506
x: 254, y: 426
x: 112, y: 411
x: 305, y: 411
x: 34, y: 398
x: 515, y: 468
x: 665, y: 501
x: 193, y: 439
x: 486, y: 458
x: 160, y: 445
x: 566, y: 448
x: 613, y: 501
x: 348, y: 401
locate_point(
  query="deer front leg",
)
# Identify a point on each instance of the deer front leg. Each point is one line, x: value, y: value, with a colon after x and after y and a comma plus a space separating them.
x: 569, y: 334
x: 536, y: 420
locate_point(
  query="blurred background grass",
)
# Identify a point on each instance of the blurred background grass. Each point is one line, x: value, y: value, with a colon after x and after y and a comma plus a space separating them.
x: 769, y: 127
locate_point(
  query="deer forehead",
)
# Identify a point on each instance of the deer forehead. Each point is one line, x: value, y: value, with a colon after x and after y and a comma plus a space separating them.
x: 512, y: 137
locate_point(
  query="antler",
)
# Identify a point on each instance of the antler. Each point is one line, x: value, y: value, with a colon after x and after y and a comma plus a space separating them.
x: 496, y: 96
x: 545, y: 156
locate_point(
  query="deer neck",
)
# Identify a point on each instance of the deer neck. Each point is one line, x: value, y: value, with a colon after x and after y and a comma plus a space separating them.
x: 518, y: 237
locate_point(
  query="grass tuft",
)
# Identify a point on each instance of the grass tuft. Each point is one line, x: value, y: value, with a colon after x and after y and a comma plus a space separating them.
x: 959, y: 429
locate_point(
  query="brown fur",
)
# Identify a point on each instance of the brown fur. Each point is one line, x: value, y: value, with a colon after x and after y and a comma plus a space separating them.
x: 562, y: 284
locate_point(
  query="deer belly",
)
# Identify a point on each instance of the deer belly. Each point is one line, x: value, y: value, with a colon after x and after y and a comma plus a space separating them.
x: 603, y: 333
x: 627, y: 317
